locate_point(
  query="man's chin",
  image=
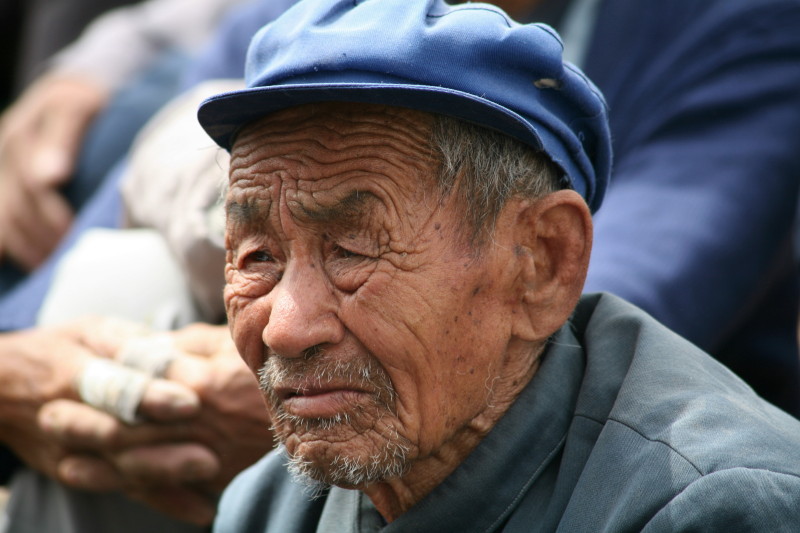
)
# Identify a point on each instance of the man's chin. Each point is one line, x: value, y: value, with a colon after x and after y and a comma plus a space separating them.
x: 317, y: 463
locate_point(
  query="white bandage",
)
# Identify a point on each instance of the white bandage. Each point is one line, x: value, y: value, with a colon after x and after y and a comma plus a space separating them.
x: 113, y: 388
x: 151, y: 355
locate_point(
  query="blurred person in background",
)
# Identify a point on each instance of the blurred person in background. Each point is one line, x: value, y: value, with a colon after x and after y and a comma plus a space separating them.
x: 32, y: 31
x: 62, y: 135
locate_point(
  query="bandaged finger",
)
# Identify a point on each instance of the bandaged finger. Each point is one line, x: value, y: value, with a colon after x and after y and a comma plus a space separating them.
x: 151, y: 355
x: 113, y: 388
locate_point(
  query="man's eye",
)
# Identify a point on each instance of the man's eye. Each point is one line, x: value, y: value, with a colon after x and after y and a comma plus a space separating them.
x: 259, y: 256
x: 344, y: 253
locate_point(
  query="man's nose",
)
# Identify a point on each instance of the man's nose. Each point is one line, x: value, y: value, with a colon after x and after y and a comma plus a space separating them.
x: 302, y: 313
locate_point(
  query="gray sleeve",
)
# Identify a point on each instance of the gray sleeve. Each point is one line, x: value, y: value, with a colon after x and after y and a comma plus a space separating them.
x: 123, y: 41
x: 733, y: 500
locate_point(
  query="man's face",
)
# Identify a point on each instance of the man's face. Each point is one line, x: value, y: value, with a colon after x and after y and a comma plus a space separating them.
x: 378, y: 332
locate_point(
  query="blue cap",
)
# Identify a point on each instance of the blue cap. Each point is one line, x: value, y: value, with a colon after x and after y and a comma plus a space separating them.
x: 468, y: 61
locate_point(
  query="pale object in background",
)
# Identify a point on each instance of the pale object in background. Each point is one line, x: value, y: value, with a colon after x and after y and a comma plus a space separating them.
x: 128, y: 274
x: 173, y: 183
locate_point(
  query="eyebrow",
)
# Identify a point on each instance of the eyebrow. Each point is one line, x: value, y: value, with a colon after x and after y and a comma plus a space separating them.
x: 350, y: 208
x: 247, y: 213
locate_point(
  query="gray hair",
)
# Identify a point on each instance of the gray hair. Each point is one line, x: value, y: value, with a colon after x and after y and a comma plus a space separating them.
x: 487, y: 168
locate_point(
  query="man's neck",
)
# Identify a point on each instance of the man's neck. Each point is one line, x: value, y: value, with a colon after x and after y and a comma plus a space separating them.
x: 394, y: 497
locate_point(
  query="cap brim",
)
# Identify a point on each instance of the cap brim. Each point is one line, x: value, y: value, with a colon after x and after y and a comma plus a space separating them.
x: 223, y: 115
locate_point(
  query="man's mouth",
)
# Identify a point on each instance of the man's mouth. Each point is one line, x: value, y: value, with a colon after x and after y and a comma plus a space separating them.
x: 319, y: 402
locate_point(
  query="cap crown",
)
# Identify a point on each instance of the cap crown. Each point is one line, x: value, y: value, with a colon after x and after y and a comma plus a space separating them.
x: 469, y: 61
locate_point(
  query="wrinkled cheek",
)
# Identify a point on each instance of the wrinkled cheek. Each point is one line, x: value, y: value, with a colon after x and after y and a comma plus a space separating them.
x: 239, y: 292
x: 235, y: 303
x: 244, y: 326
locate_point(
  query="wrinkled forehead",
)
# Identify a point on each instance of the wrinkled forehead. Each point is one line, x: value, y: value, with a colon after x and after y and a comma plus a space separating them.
x: 333, y: 125
x: 323, y: 152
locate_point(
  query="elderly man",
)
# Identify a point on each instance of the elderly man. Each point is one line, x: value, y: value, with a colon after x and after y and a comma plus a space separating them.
x: 408, y: 235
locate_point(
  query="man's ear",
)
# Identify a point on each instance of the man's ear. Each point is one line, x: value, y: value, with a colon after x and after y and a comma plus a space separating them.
x: 553, y: 241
